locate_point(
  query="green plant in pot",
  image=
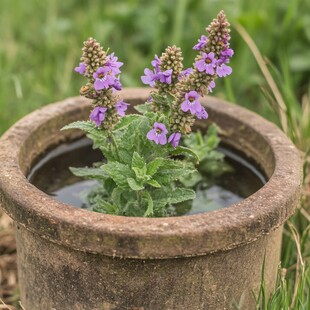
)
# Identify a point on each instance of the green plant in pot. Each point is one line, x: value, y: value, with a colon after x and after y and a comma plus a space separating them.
x: 70, y: 258
x: 147, y: 170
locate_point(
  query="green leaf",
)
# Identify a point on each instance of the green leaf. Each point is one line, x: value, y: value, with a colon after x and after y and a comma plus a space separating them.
x: 215, y: 167
x: 164, y: 100
x: 202, y: 146
x: 95, y: 133
x: 153, y: 166
x: 103, y: 206
x: 119, y: 173
x: 137, y: 161
x: 109, y: 185
x: 130, y: 135
x: 139, y: 167
x: 125, y: 156
x: 185, y: 151
x: 87, y: 126
x: 150, y: 204
x: 191, y: 179
x: 181, y: 194
x: 117, y: 196
x: 153, y: 183
x: 143, y: 108
x: 108, y: 153
x: 89, y: 173
x: 134, y: 185
x: 126, y: 121
x: 141, y: 174
x: 172, y: 197
x: 172, y: 170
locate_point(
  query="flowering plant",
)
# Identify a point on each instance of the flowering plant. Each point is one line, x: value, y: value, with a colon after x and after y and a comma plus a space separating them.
x: 147, y: 170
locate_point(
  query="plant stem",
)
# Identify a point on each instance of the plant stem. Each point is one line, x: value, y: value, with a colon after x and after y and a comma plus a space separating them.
x: 115, y: 145
x: 139, y: 198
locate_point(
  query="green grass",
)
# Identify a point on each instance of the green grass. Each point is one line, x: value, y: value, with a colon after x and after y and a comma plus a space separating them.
x: 40, y: 46
x: 293, y: 283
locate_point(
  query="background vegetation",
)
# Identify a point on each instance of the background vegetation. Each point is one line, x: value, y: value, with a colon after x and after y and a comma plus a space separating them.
x: 41, y: 41
x: 40, y: 45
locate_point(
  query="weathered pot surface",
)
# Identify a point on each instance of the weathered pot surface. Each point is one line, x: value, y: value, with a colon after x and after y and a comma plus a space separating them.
x: 73, y: 258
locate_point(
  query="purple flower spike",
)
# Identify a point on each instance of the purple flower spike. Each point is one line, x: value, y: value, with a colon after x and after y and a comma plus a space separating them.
x: 98, y: 115
x: 149, y: 78
x: 211, y: 86
x: 201, y: 43
x: 102, y: 79
x: 207, y: 63
x: 202, y: 113
x: 175, y: 139
x: 121, y: 107
x: 165, y: 77
x: 191, y: 102
x: 155, y: 63
x: 158, y: 134
x: 112, y: 64
x: 223, y: 70
x: 81, y: 68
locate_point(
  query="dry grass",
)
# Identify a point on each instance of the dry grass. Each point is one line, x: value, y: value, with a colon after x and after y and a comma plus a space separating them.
x: 8, y: 269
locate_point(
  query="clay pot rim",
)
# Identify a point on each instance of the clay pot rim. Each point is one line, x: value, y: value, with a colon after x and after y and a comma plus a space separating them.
x: 150, y: 237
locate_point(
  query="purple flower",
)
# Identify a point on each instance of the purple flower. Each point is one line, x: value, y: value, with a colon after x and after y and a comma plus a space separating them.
x: 149, y: 78
x: 112, y: 64
x: 201, y: 43
x: 165, y: 77
x: 211, y: 86
x: 225, y: 55
x: 155, y: 63
x: 222, y: 60
x: 117, y: 84
x: 158, y: 134
x: 98, y: 115
x: 103, y: 79
x: 227, y: 52
x: 81, y: 68
x: 121, y: 107
x: 191, y: 102
x: 207, y: 63
x: 223, y: 70
x: 185, y: 73
x: 175, y: 139
x: 202, y: 113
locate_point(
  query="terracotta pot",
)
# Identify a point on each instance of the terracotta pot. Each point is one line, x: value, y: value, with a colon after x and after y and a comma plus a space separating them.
x: 69, y: 258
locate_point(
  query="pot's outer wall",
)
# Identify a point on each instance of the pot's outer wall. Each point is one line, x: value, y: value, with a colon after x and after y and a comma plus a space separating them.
x: 54, y: 277
x: 141, y: 238
x: 69, y: 258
